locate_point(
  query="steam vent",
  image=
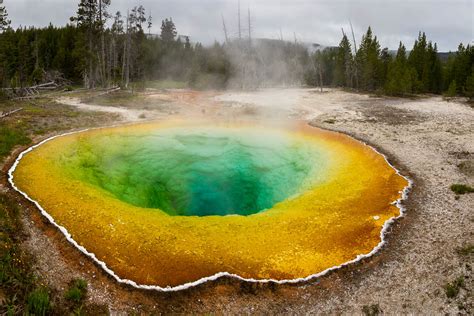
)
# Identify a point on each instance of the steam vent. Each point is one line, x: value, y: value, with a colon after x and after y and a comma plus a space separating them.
x: 168, y: 204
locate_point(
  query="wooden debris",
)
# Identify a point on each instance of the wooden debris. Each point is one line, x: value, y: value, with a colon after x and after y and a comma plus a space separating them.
x: 52, y: 81
x: 2, y: 114
x: 110, y: 90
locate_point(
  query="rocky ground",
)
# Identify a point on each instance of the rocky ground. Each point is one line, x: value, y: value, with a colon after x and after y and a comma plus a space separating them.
x: 428, y: 139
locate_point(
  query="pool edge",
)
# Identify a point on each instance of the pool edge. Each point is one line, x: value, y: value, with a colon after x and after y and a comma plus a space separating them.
x: 383, y: 233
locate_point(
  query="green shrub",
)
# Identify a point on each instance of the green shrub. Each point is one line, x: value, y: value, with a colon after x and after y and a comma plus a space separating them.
x: 3, y: 95
x: 166, y: 84
x: 462, y: 189
x: 77, y: 291
x: 371, y: 310
x: 16, y: 277
x: 452, y: 289
x: 79, y: 311
x: 465, y: 250
x: 469, y: 88
x: 452, y: 90
x: 38, y: 302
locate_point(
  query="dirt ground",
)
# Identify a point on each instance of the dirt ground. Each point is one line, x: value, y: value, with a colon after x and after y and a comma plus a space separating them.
x: 427, y: 139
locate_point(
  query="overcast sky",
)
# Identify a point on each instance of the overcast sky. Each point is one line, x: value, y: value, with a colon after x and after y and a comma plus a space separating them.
x: 447, y: 22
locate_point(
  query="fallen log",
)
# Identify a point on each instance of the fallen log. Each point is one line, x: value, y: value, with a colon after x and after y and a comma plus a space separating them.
x: 47, y: 88
x: 110, y: 90
x: 2, y: 115
x: 52, y: 83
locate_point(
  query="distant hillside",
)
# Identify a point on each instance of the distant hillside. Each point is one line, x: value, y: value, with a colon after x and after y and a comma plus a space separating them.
x: 443, y: 56
x: 311, y: 47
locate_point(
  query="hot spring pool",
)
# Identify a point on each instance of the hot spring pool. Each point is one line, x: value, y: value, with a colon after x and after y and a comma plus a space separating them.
x: 199, y: 171
x: 167, y: 204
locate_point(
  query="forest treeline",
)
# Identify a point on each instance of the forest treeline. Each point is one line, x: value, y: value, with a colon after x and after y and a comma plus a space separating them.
x: 371, y: 68
x: 98, y: 49
x: 101, y: 50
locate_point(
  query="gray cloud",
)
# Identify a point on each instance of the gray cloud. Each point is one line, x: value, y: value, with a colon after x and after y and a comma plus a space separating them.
x: 447, y: 22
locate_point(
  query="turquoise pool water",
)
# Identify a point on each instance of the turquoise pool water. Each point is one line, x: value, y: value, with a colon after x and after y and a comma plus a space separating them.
x: 198, y: 172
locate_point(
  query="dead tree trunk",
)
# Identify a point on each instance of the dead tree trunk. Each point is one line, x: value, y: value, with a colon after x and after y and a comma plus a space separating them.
x: 124, y: 59
x: 320, y: 77
x: 225, y: 30
x: 240, y: 27
x: 250, y: 30
x: 91, y: 77
x: 356, y: 68
x: 2, y: 114
x: 102, y: 43
x: 126, y: 56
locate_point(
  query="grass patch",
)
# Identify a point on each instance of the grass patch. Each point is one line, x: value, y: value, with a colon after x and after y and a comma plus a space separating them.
x: 465, y: 250
x: 16, y: 278
x: 461, y: 189
x: 21, y: 292
x: 43, y: 115
x: 11, y: 137
x: 77, y: 291
x: 118, y: 99
x: 166, y: 84
x: 125, y: 99
x: 371, y: 310
x: 38, y: 302
x: 452, y: 289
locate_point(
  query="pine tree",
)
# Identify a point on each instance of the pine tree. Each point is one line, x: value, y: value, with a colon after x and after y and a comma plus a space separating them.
x: 426, y: 75
x: 86, y: 19
x: 87, y: 13
x: 102, y: 17
x: 436, y: 82
x: 168, y: 31
x: 91, y: 18
x: 117, y: 26
x: 4, y: 25
x: 416, y: 57
x: 137, y: 18
x: 424, y: 59
x: 117, y: 32
x: 136, y: 42
x: 342, y: 70
x: 400, y: 75
x: 149, y: 24
x: 187, y: 44
x: 4, y: 22
x: 25, y: 64
x: 369, y: 63
x: 385, y: 60
x: 463, y: 65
